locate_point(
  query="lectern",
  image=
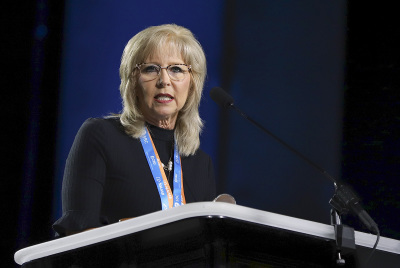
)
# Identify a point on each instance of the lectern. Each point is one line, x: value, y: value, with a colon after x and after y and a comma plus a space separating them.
x: 208, y: 234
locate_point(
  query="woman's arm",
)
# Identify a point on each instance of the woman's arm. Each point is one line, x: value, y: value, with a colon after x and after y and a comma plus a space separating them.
x: 83, y: 181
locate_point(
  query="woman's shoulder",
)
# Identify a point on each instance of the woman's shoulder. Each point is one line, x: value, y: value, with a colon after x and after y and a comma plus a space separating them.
x: 101, y: 125
x: 102, y: 122
x: 198, y: 155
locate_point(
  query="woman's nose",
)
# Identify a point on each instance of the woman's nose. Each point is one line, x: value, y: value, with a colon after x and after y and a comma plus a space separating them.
x: 164, y: 78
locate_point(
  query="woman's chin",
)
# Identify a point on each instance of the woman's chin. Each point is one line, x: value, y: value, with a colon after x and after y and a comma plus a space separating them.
x: 162, y: 118
x: 166, y: 114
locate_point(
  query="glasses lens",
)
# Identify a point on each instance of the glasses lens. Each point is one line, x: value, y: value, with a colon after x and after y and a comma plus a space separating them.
x: 149, y: 71
x: 177, y: 72
x: 152, y: 71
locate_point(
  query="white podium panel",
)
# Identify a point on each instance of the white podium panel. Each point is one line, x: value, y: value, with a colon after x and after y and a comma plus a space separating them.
x: 215, y: 233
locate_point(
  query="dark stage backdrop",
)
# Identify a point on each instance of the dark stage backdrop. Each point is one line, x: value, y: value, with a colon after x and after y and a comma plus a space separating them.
x: 371, y: 134
x: 282, y: 61
x: 286, y: 71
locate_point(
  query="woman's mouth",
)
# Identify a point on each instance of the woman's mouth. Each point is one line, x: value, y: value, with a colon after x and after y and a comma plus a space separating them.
x: 163, y: 98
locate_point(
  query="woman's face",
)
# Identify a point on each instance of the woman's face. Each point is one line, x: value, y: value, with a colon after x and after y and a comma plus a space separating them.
x: 161, y: 99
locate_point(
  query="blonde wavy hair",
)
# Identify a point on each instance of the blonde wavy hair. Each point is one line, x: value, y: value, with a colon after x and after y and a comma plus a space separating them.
x: 145, y: 44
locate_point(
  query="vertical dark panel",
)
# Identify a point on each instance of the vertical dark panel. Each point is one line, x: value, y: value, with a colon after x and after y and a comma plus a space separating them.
x: 31, y: 51
x: 287, y: 74
x: 17, y: 24
x: 227, y: 69
x: 47, y: 120
x: 372, y: 113
x: 34, y: 220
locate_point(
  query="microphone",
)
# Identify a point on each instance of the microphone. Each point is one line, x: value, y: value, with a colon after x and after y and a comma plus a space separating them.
x: 344, y: 199
x: 221, y: 97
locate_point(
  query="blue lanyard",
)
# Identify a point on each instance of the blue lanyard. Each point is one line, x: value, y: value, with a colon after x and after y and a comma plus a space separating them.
x: 168, y: 199
x: 178, y: 200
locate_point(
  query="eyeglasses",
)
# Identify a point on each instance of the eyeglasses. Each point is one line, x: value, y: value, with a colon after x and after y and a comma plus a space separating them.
x: 176, y: 72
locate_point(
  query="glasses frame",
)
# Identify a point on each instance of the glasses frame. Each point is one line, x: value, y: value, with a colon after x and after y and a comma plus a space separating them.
x: 166, y: 68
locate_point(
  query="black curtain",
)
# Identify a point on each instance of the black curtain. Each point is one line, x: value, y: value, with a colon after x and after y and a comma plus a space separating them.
x: 371, y: 148
x: 31, y: 45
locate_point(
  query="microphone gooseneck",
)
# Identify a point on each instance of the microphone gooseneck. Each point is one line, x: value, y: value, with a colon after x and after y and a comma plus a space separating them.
x: 225, y: 100
x: 344, y: 199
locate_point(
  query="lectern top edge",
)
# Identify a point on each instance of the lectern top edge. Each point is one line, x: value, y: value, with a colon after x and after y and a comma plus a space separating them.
x: 200, y: 209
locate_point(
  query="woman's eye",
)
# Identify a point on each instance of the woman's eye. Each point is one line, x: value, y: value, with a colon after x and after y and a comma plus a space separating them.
x: 176, y: 69
x: 150, y: 69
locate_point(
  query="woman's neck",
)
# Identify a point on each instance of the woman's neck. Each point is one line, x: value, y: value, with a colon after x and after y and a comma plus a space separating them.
x: 168, y: 123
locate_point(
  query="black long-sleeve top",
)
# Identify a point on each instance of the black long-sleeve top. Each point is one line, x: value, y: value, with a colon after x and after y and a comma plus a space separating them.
x: 107, y: 177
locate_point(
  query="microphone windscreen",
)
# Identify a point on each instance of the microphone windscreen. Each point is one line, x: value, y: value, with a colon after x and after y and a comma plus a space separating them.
x: 221, y: 97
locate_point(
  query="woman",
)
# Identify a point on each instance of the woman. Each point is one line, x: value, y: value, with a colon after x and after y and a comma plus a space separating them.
x: 147, y: 158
